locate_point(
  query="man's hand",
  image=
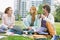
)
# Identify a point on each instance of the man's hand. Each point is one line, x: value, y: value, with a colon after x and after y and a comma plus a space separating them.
x: 42, y: 16
x: 29, y: 28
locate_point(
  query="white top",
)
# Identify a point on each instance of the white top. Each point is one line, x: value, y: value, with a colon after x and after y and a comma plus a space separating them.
x: 50, y: 18
x: 8, y: 20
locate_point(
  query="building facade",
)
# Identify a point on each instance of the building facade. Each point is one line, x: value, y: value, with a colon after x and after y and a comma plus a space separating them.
x: 22, y: 7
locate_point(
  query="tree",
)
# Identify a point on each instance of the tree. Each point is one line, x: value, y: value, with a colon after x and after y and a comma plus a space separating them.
x: 40, y: 11
x: 57, y: 16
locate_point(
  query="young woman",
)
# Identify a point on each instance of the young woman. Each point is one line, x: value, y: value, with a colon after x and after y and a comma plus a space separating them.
x: 8, y: 19
x: 8, y: 22
x: 31, y: 19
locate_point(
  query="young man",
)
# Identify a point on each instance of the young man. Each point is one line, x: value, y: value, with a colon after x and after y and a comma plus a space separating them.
x: 47, y: 23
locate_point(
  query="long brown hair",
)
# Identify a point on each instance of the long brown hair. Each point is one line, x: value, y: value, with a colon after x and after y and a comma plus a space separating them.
x: 7, y: 9
x: 33, y: 16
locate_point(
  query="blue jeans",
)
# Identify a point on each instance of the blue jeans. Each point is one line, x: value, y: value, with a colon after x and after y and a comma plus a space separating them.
x: 16, y: 30
x: 3, y: 28
x: 55, y: 37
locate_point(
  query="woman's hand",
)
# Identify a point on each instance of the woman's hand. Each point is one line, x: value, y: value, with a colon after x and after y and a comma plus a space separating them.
x: 29, y: 28
x: 11, y: 26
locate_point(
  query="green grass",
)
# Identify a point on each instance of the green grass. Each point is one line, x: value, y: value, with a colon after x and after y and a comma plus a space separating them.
x: 57, y: 25
x: 16, y: 38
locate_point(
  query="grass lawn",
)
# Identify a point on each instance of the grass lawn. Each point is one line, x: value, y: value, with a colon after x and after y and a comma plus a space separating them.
x: 57, y: 25
x: 16, y: 38
x: 20, y: 23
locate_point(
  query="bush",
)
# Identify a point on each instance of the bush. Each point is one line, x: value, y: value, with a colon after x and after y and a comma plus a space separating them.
x: 57, y: 16
x: 40, y: 11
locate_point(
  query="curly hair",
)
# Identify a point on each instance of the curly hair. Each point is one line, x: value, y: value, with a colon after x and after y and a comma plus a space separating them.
x: 47, y: 7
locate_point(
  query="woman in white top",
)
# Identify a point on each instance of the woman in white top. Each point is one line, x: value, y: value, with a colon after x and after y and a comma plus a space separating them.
x: 8, y: 22
x: 8, y: 19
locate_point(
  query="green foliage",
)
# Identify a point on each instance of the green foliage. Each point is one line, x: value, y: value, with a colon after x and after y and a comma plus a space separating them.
x: 0, y: 18
x: 18, y: 17
x: 57, y: 16
x: 57, y: 26
x: 40, y: 11
x: 28, y: 13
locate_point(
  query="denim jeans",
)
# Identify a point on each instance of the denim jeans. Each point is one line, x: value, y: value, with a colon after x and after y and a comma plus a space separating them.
x: 16, y: 30
x: 3, y: 28
x: 55, y: 37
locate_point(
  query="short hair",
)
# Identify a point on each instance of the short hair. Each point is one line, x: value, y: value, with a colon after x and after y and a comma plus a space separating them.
x: 7, y: 9
x: 47, y: 7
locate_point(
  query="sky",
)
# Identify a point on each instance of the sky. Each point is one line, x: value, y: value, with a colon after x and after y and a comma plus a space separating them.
x: 6, y: 3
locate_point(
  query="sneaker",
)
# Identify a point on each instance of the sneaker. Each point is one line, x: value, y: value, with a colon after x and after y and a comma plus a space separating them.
x: 55, y: 37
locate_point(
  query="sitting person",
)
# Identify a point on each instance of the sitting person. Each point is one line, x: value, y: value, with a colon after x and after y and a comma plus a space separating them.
x: 31, y: 19
x: 47, y: 22
x: 8, y: 21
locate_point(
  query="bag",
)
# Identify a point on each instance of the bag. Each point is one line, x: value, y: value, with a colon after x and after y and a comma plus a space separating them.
x: 50, y: 28
x: 17, y: 30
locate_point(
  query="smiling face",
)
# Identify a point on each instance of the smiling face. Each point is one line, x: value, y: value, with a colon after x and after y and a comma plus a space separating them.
x: 10, y: 11
x: 46, y: 9
x: 33, y: 10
